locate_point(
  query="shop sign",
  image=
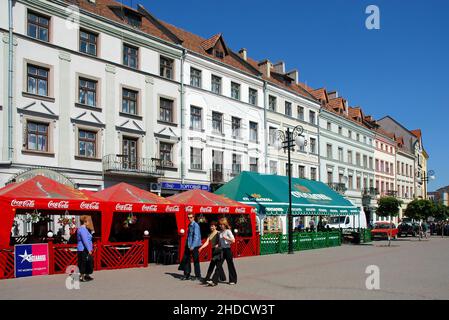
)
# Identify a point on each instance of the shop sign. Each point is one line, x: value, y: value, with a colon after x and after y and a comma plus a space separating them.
x: 184, y: 187
x: 31, y: 260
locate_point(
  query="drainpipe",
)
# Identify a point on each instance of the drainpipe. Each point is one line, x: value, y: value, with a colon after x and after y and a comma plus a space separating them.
x: 265, y: 123
x: 10, y: 84
x: 183, y: 131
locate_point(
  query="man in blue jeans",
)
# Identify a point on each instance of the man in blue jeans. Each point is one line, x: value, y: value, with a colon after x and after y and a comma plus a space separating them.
x: 193, y: 243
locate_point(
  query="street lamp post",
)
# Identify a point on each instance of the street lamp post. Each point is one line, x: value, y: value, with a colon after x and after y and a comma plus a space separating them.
x: 287, y: 140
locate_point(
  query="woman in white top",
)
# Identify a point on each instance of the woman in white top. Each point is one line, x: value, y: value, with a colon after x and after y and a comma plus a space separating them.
x: 226, y: 238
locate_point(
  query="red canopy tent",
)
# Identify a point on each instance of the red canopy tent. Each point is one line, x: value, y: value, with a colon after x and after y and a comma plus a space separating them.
x: 125, y: 198
x: 40, y: 193
x: 200, y: 202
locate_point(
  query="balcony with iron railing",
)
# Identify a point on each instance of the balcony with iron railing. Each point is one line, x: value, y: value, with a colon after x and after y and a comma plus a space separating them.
x: 121, y: 164
x: 223, y: 176
x: 391, y: 193
x: 371, y: 192
x: 338, y: 187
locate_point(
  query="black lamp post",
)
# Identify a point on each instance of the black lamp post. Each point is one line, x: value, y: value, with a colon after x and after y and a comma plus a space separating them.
x: 426, y: 177
x: 287, y: 140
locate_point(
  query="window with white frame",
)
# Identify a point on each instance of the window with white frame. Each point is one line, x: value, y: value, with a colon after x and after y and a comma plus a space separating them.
x: 272, y: 102
x: 217, y: 122
x: 236, y: 164
x: 195, y: 78
x: 196, y: 158
x: 253, y: 164
x: 300, y: 113
x: 196, y: 122
x: 253, y: 131
x: 273, y: 167
x: 252, y: 96
x: 288, y: 108
x: 236, y: 127
x: 87, y: 143
x: 216, y: 84
x: 235, y: 91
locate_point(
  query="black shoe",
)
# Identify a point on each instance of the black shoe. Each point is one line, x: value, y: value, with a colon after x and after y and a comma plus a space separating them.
x: 88, y: 278
x: 211, y: 283
x: 185, y: 278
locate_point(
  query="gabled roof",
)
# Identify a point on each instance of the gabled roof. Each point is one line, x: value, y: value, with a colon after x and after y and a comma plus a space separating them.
x: 107, y: 9
x: 127, y: 193
x: 320, y: 94
x: 417, y: 133
x: 200, y: 201
x: 40, y: 187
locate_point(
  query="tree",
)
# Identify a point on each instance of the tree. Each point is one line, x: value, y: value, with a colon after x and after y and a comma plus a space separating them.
x: 440, y: 212
x: 420, y: 209
x: 388, y: 207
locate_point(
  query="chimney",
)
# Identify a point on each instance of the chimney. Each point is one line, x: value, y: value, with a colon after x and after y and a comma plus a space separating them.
x: 243, y: 53
x: 265, y: 68
x: 332, y: 94
x: 279, y: 67
x: 294, y: 74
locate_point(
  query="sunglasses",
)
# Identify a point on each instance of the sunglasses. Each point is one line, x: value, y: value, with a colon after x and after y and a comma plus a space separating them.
x: 190, y: 217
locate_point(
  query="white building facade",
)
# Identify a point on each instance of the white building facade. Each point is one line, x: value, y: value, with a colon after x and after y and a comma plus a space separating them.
x: 347, y: 154
x: 120, y: 96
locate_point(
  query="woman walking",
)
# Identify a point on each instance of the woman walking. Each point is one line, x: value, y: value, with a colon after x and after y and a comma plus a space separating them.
x: 85, y: 249
x: 213, y: 240
x: 226, y: 239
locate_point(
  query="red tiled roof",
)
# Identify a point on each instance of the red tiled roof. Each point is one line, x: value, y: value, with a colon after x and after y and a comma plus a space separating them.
x: 210, y: 43
x: 105, y: 8
x: 417, y: 133
x: 190, y: 41
x: 319, y: 94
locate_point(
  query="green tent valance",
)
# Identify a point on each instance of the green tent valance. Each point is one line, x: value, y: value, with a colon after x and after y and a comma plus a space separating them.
x: 269, y: 194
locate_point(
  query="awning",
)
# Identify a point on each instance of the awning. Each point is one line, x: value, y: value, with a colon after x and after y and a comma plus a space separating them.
x: 269, y: 195
x: 43, y: 193
x: 200, y: 201
x: 40, y: 193
x: 127, y: 198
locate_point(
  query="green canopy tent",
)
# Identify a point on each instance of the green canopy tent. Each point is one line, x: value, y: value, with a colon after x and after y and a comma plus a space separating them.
x: 269, y: 194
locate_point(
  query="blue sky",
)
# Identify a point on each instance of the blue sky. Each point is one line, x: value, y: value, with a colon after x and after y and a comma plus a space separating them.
x: 401, y: 70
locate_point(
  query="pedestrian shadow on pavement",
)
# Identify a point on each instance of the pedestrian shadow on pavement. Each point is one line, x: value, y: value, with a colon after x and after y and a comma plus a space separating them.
x: 175, y: 275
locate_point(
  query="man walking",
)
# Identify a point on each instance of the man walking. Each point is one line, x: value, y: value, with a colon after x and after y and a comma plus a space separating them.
x: 193, y: 243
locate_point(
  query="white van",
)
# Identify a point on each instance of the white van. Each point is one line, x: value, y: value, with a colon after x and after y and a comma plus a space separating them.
x: 345, y: 222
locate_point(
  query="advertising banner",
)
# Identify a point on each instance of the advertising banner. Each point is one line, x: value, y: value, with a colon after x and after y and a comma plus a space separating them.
x: 31, y: 260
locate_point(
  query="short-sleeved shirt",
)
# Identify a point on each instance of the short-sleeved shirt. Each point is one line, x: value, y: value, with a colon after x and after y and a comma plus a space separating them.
x: 224, y: 243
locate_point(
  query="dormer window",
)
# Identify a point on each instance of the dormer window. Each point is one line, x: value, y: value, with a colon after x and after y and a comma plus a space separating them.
x: 219, y: 54
x: 133, y: 20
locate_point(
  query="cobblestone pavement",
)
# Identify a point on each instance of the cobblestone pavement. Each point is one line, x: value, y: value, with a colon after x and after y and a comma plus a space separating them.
x: 409, y: 269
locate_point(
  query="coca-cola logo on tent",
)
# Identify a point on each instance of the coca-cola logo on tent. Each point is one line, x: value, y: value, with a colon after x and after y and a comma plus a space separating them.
x: 189, y: 209
x: 22, y: 203
x: 124, y: 207
x: 206, y: 210
x: 172, y: 208
x: 223, y: 210
x: 90, y: 205
x: 58, y: 204
x: 240, y: 210
x: 149, y: 208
